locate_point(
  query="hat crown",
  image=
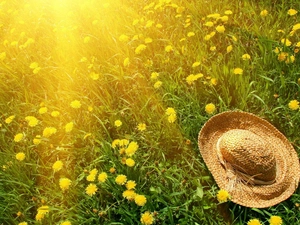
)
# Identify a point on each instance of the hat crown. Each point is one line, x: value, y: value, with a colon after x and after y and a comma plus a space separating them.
x: 248, y: 153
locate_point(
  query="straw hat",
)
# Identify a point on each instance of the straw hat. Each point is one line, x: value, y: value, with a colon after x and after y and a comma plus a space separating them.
x: 249, y: 158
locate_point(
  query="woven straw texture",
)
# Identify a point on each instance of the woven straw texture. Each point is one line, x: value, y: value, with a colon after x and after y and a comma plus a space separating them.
x: 230, y: 142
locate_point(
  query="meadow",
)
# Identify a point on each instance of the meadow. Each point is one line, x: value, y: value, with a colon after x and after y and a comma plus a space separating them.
x: 101, y: 103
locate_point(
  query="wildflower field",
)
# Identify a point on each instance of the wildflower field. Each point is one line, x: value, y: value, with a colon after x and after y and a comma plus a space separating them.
x: 101, y: 103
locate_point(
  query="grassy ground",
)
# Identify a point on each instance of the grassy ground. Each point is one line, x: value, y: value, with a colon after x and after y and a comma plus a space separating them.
x: 101, y: 103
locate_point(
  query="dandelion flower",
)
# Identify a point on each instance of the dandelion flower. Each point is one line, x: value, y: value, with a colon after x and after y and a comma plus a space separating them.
x: 37, y: 140
x: 32, y: 121
x: 140, y: 200
x: 293, y: 105
x: 41, y: 212
x: 229, y: 48
x: 123, y: 38
x: 296, y: 27
x: 69, y: 127
x: 48, y: 131
x: 264, y: 13
x: 64, y: 183
x: 220, y: 28
x: 130, y: 184
x: 224, y: 18
x: 9, y: 119
x: 131, y: 148
x: 43, y: 110
x: 140, y: 48
x: 195, y: 64
x: 20, y: 156
x: 91, y: 189
x: 55, y: 113
x: 228, y: 12
x: 275, y: 220
x: 209, y: 24
x: 223, y: 195
x: 207, y: 37
x: 238, y: 71
x: 129, y: 194
x: 57, y: 166
x: 18, y: 137
x: 67, y: 222
x: 154, y: 75
x: 170, y: 111
x: 210, y: 108
x: 33, y: 65
x: 172, y: 118
x: 23, y: 223
x: 121, y: 179
x: 102, y: 177
x: 118, y: 123
x: 254, y: 222
x: 141, y: 126
x: 75, y: 104
x: 292, y: 12
x: 94, y: 76
x: 246, y: 57
x: 286, y: 42
x: 147, y: 218
x: 112, y: 170
x: 148, y: 40
x: 169, y: 48
x: 191, y: 34
x: 130, y: 162
x: 126, y: 61
x: 157, y: 84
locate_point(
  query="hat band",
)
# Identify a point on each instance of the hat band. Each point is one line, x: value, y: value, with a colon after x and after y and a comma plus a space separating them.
x: 234, y: 175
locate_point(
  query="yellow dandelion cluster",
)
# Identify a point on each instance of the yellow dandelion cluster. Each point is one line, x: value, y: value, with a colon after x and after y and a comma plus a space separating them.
x: 121, y: 179
x: 171, y: 113
x: 102, y: 177
x: 91, y: 189
x: 292, y: 12
x: 154, y: 75
x: 264, y: 13
x: 140, y: 200
x: 123, y: 38
x: 57, y: 166
x: 18, y: 137
x: 130, y: 162
x: 49, y: 131
x: 223, y: 196
x: 43, y: 110
x: 147, y: 218
x: 220, y: 28
x: 293, y: 105
x: 157, y: 84
x: 275, y: 220
x: 32, y: 121
x: 64, y: 183
x: 69, y: 127
x: 9, y: 119
x: 131, y: 148
x: 75, y: 104
x: 139, y: 49
x: 190, y: 79
x: 41, y: 212
x: 20, y: 156
x: 129, y: 194
x: 92, y: 175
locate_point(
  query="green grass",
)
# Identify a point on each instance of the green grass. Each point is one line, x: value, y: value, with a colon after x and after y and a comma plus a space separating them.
x: 70, y: 40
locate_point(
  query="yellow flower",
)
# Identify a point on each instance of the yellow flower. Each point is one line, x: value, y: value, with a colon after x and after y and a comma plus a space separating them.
x: 229, y: 48
x: 264, y: 13
x: 238, y: 71
x: 57, y: 166
x: 32, y: 121
x: 254, y: 222
x: 91, y: 189
x: 223, y: 195
x: 112, y: 170
x: 157, y: 84
x: 123, y: 38
x: 207, y: 37
x: 41, y: 212
x: 170, y: 111
x: 292, y: 12
x: 293, y: 105
x: 121, y: 179
x: 64, y: 183
x: 172, y: 118
x: 169, y: 48
x: 140, y: 48
x: 130, y: 184
x: 33, y: 65
x: 43, y: 110
x: 154, y: 75
x: 228, y: 12
x: 129, y: 194
x: 296, y: 27
x: 94, y: 76
x: 66, y: 223
x: 210, y: 108
x: 286, y: 42
x: 48, y: 131
x: 102, y: 177
x: 130, y: 162
x: 224, y: 18
x: 75, y: 104
x: 191, y: 34
x: 23, y: 223
x: 195, y: 64
x: 55, y: 113
x: 69, y: 127
x: 148, y: 40
x: 141, y: 126
x: 220, y: 28
x: 131, y: 148
x: 118, y: 123
x: 20, y: 156
x: 275, y: 220
x: 18, y: 137
x: 126, y: 61
x: 9, y: 119
x: 209, y: 24
x: 37, y: 140
x: 140, y: 200
x: 147, y: 218
x: 282, y: 56
x: 246, y: 57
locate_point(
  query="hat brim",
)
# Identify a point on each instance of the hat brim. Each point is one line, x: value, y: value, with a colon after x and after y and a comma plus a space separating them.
x: 243, y: 193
